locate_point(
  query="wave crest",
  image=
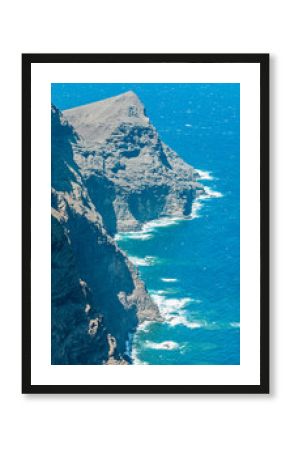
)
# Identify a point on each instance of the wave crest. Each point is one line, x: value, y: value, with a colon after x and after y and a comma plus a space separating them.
x: 204, y: 175
x: 169, y: 280
x: 166, y: 345
x: 135, y: 235
x: 147, y: 261
x: 181, y: 320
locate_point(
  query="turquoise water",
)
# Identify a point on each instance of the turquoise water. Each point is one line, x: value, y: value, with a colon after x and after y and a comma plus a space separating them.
x: 190, y: 267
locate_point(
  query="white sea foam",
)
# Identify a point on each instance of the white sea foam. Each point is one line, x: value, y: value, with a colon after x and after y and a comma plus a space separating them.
x: 141, y: 235
x: 159, y: 223
x: 178, y: 302
x: 212, y: 194
x: 169, y: 306
x: 138, y: 261
x: 204, y: 175
x: 152, y: 260
x: 181, y: 320
x: 148, y: 228
x: 136, y: 235
x: 160, y: 292
x: 188, y: 125
x: 147, y: 261
x: 173, y: 310
x: 166, y: 345
x: 173, y: 305
x: 144, y: 326
x: 196, y: 206
x: 157, y: 298
x: 235, y: 324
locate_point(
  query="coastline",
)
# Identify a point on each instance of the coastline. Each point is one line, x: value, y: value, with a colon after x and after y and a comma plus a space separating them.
x: 171, y: 313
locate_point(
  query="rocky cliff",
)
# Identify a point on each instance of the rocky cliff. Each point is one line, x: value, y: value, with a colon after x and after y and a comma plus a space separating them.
x: 131, y: 175
x: 97, y: 296
x: 110, y: 172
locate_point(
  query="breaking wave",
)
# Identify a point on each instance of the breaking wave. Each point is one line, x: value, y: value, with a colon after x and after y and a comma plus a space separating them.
x: 176, y: 310
x: 148, y: 228
x: 136, y: 235
x: 204, y: 175
x: 166, y: 345
x: 235, y: 324
x: 173, y: 310
x: 211, y: 194
x: 147, y: 261
x: 160, y: 223
x: 169, y: 280
x: 181, y: 320
x: 197, y: 205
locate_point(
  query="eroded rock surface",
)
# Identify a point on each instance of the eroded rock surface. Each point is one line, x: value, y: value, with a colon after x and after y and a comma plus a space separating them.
x: 145, y: 179
x: 110, y: 172
x: 96, y: 291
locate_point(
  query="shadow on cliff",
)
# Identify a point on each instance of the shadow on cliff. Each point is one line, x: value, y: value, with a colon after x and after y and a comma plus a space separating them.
x: 103, y: 268
x: 102, y: 194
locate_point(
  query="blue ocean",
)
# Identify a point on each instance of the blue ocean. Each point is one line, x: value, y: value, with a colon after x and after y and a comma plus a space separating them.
x: 191, y: 267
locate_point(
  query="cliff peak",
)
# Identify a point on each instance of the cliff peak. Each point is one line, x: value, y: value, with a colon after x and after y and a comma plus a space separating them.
x: 130, y: 98
x: 96, y: 121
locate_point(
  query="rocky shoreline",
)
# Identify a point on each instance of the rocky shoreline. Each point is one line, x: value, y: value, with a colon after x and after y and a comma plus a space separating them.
x: 110, y: 173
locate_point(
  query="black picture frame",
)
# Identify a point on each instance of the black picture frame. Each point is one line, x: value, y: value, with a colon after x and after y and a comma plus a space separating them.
x: 263, y: 61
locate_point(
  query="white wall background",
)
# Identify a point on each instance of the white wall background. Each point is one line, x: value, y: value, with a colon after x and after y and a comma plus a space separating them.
x: 222, y: 422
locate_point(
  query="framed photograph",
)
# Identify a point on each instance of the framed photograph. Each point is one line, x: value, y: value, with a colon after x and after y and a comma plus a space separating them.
x: 145, y: 223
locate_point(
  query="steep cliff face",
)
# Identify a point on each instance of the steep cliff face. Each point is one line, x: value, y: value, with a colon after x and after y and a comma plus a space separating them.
x: 144, y: 178
x: 110, y: 172
x: 97, y: 297
x: 78, y: 332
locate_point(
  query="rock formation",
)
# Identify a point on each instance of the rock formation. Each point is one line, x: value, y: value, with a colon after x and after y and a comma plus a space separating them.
x: 145, y: 179
x: 96, y: 292
x: 110, y: 172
